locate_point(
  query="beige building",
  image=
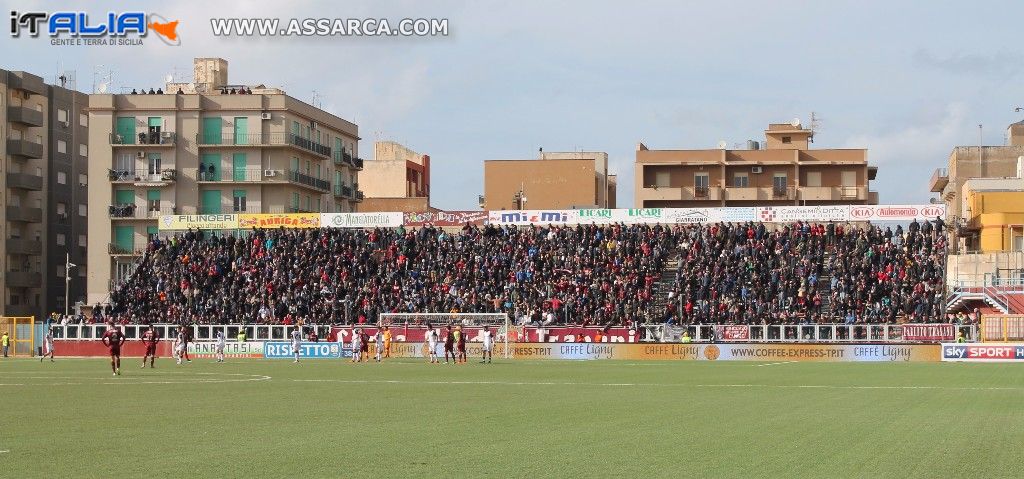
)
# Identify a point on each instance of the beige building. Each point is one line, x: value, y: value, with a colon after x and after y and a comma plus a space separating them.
x: 785, y: 172
x: 209, y: 148
x: 397, y: 179
x: 556, y: 180
x: 43, y: 181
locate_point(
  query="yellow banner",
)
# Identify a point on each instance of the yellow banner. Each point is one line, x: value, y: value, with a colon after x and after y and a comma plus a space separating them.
x: 203, y: 222
x: 277, y: 220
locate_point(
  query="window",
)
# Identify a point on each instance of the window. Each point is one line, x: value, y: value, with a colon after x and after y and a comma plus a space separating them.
x: 83, y: 179
x: 62, y: 209
x: 787, y: 139
x: 153, y: 163
x: 849, y: 178
x: 295, y: 201
x: 239, y: 201
x: 82, y: 241
x: 62, y: 146
x: 740, y: 180
x: 662, y: 179
x: 83, y: 119
x: 317, y: 205
x: 309, y: 203
x: 813, y: 178
x: 700, y: 184
x: 153, y: 198
x: 60, y: 271
x: 83, y: 210
x: 62, y: 239
x: 125, y: 162
x: 62, y: 115
x: 62, y: 178
x: 779, y: 184
x: 83, y: 150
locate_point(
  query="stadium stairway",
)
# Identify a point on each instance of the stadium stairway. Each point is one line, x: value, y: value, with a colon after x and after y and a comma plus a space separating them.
x: 824, y: 285
x: 665, y: 284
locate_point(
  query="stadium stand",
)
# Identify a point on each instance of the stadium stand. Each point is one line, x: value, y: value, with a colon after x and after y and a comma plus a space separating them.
x: 584, y: 274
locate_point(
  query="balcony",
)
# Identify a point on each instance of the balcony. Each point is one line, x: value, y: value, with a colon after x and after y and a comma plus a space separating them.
x: 25, y: 148
x: 286, y: 209
x: 24, y: 215
x: 783, y: 193
x: 24, y: 246
x: 833, y: 193
x: 237, y: 175
x: 263, y: 139
x: 25, y: 181
x: 358, y: 163
x: 130, y: 211
x: 19, y: 310
x: 27, y: 82
x: 759, y: 194
x: 25, y: 116
x: 342, y: 191
x: 306, y: 180
x: 24, y: 279
x: 359, y: 196
x: 152, y: 138
x: 135, y: 249
x: 940, y: 178
x: 162, y: 177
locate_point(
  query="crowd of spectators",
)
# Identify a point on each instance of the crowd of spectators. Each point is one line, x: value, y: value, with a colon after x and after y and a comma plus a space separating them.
x: 809, y: 273
x: 583, y: 274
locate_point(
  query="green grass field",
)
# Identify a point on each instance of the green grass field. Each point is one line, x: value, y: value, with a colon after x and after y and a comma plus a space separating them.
x: 264, y: 418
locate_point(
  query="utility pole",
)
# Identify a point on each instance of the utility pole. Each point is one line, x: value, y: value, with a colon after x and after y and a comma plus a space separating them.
x: 67, y: 280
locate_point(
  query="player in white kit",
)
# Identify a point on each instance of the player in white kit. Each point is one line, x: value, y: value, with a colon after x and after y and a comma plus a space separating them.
x: 296, y: 343
x: 432, y: 344
x: 379, y: 340
x: 357, y: 346
x: 47, y: 346
x: 180, y: 343
x: 488, y: 345
x: 219, y: 351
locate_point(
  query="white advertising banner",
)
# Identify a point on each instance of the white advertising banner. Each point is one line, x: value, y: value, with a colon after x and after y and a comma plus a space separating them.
x: 360, y: 220
x: 786, y: 214
x: 896, y: 212
x: 529, y: 217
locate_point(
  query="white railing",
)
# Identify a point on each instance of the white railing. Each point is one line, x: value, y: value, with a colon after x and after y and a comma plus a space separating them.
x: 789, y: 333
x: 200, y: 332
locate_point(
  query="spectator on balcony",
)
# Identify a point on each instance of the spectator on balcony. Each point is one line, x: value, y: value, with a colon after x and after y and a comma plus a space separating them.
x: 202, y: 171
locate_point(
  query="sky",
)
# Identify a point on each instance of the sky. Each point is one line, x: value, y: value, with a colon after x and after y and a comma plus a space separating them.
x: 907, y: 80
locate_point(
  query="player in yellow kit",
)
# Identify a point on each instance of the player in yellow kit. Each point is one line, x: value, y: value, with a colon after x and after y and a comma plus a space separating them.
x: 387, y: 342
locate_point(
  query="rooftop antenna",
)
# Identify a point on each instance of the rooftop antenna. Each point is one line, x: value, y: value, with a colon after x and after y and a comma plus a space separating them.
x: 815, y: 125
x: 317, y: 99
x: 101, y: 76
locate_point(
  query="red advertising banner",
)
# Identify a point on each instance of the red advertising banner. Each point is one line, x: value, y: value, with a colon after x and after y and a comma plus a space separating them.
x: 444, y: 218
x: 929, y: 332
x: 732, y: 333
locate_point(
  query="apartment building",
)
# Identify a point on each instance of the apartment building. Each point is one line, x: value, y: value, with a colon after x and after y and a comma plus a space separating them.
x: 783, y: 171
x: 556, y: 180
x: 43, y: 208
x: 206, y: 148
x: 397, y: 179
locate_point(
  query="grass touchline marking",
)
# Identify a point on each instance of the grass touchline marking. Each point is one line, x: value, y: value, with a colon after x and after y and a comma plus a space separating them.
x: 774, y: 364
x: 562, y: 383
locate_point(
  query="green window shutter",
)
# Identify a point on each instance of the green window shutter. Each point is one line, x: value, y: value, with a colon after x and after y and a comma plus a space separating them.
x: 210, y: 202
x: 241, y: 130
x: 124, y: 237
x: 155, y: 121
x: 212, y: 131
x: 126, y: 130
x: 153, y: 195
x: 124, y: 197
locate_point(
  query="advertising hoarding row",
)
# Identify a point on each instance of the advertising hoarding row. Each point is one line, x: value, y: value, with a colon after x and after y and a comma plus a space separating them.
x: 983, y: 352
x: 765, y: 214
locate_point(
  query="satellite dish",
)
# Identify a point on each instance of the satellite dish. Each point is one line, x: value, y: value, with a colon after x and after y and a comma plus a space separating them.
x: 722, y: 145
x: 795, y: 123
x: 169, y: 78
x: 103, y: 88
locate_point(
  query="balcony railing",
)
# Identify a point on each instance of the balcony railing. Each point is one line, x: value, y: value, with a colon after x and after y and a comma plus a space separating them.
x: 146, y: 138
x: 782, y: 193
x: 287, y: 209
x: 343, y: 191
x: 700, y: 191
x: 25, y: 181
x: 263, y: 139
x: 25, y: 215
x: 136, y: 248
x: 165, y: 175
x: 26, y: 148
x: 23, y: 246
x: 248, y: 174
x: 24, y: 115
x: 133, y: 211
x: 359, y: 196
x: 303, y: 179
x: 24, y: 279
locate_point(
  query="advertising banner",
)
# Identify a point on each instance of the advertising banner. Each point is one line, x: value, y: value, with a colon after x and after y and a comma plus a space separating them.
x: 279, y: 220
x: 732, y: 333
x: 360, y: 220
x: 444, y: 218
x: 983, y: 352
x: 232, y: 349
x: 307, y: 350
x: 474, y: 334
x: 929, y: 332
x: 528, y: 217
x: 760, y: 352
x: 202, y: 222
x: 787, y: 214
x: 896, y: 212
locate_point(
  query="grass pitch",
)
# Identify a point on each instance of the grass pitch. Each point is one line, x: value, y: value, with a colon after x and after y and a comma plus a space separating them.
x: 405, y: 418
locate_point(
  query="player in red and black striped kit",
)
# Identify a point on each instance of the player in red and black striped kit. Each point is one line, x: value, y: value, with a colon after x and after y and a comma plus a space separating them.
x: 113, y: 339
x: 150, y: 339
